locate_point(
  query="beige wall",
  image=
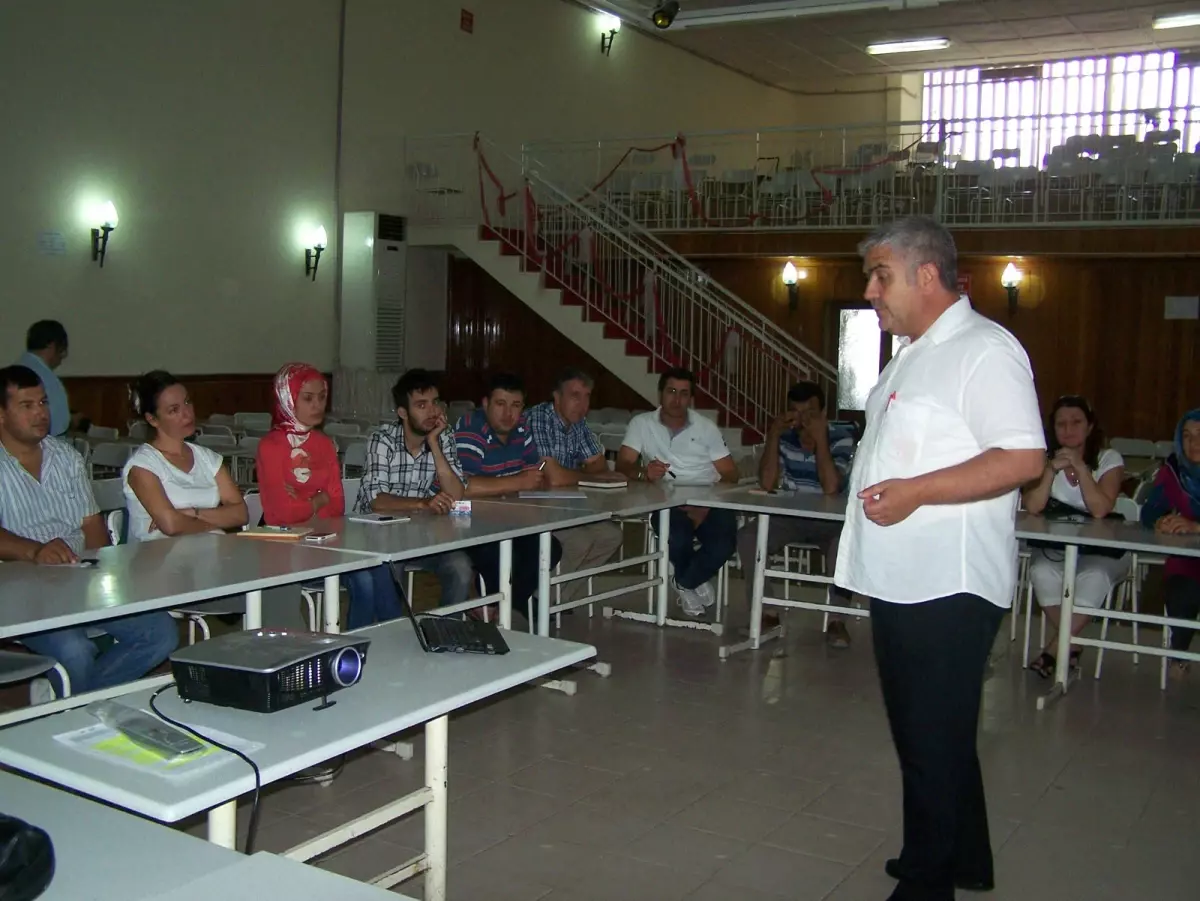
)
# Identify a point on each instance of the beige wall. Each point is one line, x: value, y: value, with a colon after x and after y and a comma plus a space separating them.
x: 211, y: 127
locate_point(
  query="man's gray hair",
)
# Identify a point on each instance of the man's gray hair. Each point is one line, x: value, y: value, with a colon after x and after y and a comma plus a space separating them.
x: 571, y: 374
x: 919, y: 240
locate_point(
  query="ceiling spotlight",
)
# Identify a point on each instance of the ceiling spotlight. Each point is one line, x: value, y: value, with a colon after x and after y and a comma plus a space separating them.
x: 908, y: 46
x: 664, y: 14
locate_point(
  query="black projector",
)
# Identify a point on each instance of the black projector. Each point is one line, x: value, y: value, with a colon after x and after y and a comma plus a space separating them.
x: 265, y: 670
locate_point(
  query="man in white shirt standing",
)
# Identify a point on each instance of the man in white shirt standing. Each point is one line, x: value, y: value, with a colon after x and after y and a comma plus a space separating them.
x: 953, y: 430
x: 678, y: 446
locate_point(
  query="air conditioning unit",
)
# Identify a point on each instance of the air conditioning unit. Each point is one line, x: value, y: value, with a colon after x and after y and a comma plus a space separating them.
x: 374, y: 292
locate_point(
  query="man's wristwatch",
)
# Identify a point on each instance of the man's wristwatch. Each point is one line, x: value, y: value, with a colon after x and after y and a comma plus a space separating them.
x: 641, y: 476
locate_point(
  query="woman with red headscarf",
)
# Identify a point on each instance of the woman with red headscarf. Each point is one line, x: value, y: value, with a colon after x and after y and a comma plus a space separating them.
x: 299, y: 477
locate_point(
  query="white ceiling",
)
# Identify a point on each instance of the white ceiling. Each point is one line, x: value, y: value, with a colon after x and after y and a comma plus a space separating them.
x: 795, y: 53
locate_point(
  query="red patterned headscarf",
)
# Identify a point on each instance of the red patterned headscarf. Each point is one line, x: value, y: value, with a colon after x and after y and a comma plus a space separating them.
x: 288, y: 382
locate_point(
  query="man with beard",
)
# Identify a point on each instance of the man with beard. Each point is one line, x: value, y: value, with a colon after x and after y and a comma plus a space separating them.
x: 49, y: 517
x: 412, y: 467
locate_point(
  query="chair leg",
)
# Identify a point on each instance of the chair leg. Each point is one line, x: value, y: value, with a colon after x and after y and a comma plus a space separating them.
x: 1108, y: 604
x: 787, y: 567
x: 313, y: 598
x: 1166, y: 643
x: 1133, y: 601
x: 66, y: 679
x: 1028, y: 617
x: 191, y: 630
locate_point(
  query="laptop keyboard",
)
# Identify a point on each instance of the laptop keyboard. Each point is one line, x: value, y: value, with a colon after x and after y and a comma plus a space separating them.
x: 461, y: 635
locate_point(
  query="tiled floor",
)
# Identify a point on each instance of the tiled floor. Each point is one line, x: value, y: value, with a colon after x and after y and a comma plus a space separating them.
x: 772, y: 777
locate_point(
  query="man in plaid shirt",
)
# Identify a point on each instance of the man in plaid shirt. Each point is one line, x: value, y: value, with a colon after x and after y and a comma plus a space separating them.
x: 572, y: 453
x: 412, y: 467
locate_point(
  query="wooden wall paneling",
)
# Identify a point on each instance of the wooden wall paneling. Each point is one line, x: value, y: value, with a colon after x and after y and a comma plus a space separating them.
x: 490, y: 331
x: 105, y: 399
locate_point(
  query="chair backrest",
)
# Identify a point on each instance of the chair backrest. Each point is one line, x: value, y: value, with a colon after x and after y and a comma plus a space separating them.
x: 85, y: 449
x: 1127, y: 508
x: 611, y: 443
x: 455, y: 410
x: 210, y: 428
x: 102, y: 431
x: 253, y: 420
x: 349, y: 429
x: 220, y: 419
x: 113, y: 456
x: 253, y: 508
x: 1164, y: 449
x: 117, y: 524
x: 109, y: 494
x: 1142, y: 492
x: 1133, y: 447
x: 249, y: 442
x: 356, y: 455
x: 350, y: 490
x: 256, y: 432
x: 216, y: 441
x: 139, y: 430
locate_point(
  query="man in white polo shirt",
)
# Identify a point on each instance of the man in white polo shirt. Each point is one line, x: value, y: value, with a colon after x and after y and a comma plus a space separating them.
x: 953, y: 430
x: 678, y: 446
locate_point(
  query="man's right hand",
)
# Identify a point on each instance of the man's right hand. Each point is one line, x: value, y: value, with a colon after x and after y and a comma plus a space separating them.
x: 440, y: 504
x: 530, y: 480
x: 782, y: 423
x: 54, y: 552
x: 656, y: 470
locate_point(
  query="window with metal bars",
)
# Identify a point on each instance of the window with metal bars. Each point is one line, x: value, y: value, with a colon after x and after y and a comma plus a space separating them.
x: 1018, y: 115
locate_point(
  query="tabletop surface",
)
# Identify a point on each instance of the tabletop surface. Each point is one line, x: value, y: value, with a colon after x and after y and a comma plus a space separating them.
x: 402, y: 687
x: 103, y: 854
x: 811, y: 505
x: 153, y: 575
x: 424, y: 533
x: 636, y: 499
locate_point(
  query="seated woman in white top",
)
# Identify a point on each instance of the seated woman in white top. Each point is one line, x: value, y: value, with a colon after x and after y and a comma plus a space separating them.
x: 173, y: 487
x: 1083, y: 477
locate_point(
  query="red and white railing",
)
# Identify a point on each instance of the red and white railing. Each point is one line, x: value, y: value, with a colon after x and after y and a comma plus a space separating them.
x: 661, y: 304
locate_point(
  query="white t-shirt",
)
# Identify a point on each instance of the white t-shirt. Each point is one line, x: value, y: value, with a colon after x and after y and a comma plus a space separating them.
x: 691, y: 451
x: 197, y: 488
x: 963, y: 387
x: 1064, y: 491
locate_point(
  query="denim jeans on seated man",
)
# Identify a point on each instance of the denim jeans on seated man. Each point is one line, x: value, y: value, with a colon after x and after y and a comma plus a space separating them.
x: 374, y: 596
x: 454, y: 572
x: 140, y: 644
x: 716, y: 535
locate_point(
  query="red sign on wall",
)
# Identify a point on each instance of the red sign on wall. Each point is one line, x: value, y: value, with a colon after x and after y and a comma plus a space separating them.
x: 466, y: 21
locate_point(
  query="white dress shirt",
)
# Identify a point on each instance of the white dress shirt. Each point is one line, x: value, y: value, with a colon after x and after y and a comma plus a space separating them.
x: 962, y: 388
x: 691, y: 452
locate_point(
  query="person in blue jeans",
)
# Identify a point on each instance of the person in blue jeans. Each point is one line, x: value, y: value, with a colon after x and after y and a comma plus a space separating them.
x: 49, y: 517
x: 675, y: 445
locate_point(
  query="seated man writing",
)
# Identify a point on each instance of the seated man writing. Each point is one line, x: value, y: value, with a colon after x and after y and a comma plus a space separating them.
x: 500, y: 457
x: 412, y: 466
x: 572, y: 453
x: 49, y: 516
x: 679, y: 446
x: 804, y: 454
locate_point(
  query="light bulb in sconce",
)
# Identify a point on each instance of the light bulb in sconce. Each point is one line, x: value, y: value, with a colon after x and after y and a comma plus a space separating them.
x: 312, y: 255
x: 105, y: 218
x: 791, y: 277
x: 609, y: 26
x: 790, y: 273
x: 1010, y: 280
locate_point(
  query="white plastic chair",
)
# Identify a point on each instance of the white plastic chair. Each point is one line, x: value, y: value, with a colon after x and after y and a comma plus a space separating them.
x: 139, y: 430
x: 1129, y: 510
x: 1133, y: 447
x: 18, y: 667
x: 108, y: 457
x: 220, y: 419
x: 215, y: 429
x: 103, y: 432
x: 346, y: 429
x: 109, y: 494
x: 355, y: 457
x: 1163, y: 449
x: 457, y: 409
x: 217, y: 442
x: 252, y: 420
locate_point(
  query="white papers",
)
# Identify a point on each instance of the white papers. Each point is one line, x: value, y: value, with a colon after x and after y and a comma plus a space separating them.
x: 377, y: 519
x: 103, y: 743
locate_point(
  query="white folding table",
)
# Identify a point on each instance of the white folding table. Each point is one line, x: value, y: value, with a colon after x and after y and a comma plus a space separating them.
x: 402, y: 687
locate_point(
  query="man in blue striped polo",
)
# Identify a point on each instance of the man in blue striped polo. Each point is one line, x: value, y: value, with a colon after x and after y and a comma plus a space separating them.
x: 48, y: 516
x: 803, y: 453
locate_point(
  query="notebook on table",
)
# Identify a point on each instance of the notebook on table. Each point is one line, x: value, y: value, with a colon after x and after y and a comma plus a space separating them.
x: 275, y: 533
x: 602, y: 486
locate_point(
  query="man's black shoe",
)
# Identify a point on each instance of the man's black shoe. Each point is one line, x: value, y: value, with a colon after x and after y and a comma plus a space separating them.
x: 892, y: 868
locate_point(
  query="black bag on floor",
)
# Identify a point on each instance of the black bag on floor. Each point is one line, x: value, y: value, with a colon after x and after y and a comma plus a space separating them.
x: 26, y: 860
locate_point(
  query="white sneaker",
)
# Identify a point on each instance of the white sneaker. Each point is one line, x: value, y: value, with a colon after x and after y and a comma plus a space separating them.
x: 41, y: 691
x: 689, y: 599
x: 706, y: 593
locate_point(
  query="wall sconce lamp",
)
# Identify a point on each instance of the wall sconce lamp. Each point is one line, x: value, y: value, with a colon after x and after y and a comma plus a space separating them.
x: 609, y: 26
x: 791, y: 277
x: 1011, y: 280
x: 107, y: 216
x: 312, y: 255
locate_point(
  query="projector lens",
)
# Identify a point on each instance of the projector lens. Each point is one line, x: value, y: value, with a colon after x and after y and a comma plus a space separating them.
x: 346, y: 667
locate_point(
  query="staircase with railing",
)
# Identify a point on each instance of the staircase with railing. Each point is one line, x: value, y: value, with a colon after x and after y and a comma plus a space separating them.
x: 660, y: 305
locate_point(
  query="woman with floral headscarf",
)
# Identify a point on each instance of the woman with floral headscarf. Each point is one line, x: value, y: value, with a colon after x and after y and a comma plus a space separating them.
x: 1173, y: 507
x: 299, y: 477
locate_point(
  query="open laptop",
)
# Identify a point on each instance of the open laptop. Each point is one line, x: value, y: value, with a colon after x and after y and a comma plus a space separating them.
x: 438, y: 634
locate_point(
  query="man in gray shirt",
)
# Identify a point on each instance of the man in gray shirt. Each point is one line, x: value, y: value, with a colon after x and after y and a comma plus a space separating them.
x: 48, y: 516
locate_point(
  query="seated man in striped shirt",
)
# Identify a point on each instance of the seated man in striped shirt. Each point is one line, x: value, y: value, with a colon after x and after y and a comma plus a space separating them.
x: 48, y: 516
x: 812, y: 457
x: 498, y: 455
x: 572, y: 453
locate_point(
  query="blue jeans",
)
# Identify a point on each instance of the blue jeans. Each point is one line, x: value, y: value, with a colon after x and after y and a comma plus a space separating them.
x: 141, y: 643
x: 374, y: 596
x: 717, y: 536
x: 454, y: 572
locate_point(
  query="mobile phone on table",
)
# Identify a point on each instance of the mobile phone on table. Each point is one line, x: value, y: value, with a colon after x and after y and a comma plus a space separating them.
x: 318, y: 537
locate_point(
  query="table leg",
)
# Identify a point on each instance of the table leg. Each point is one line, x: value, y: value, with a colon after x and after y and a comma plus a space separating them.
x: 543, y: 592
x: 252, y: 618
x: 436, y: 809
x: 664, y: 543
x: 1062, y: 665
x: 222, y: 825
x: 505, y: 586
x: 333, y: 604
x: 756, y: 583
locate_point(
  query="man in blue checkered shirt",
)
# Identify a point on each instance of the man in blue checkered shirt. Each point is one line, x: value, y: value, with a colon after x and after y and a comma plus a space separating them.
x: 572, y: 453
